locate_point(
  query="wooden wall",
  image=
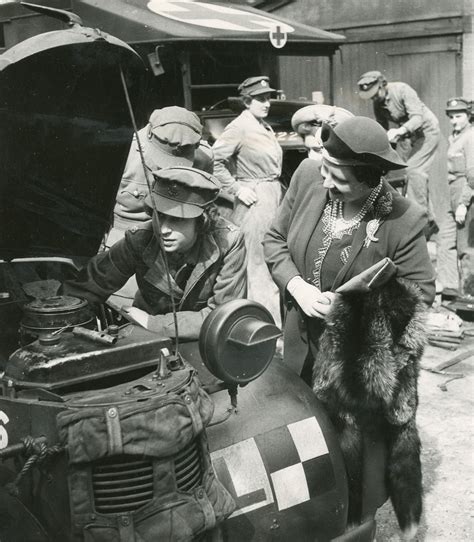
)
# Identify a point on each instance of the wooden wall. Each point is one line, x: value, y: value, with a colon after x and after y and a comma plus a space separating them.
x: 331, y: 14
x: 419, y: 42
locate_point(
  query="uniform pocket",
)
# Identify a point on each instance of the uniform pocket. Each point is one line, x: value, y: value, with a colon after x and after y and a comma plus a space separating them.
x: 131, y: 196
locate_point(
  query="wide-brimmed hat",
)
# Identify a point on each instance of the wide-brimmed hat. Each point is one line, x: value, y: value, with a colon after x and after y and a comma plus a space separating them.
x: 253, y: 86
x: 183, y: 192
x: 319, y: 114
x: 369, y: 83
x: 172, y: 134
x: 359, y: 141
x: 458, y: 104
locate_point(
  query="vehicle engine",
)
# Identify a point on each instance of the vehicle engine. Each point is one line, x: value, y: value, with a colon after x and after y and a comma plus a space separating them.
x: 105, y: 415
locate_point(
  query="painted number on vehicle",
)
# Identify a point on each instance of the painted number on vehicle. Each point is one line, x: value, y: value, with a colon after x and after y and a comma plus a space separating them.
x: 3, y: 432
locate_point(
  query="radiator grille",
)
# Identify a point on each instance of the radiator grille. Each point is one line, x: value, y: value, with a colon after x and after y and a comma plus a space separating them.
x: 122, y: 484
x: 125, y: 483
x: 188, y: 468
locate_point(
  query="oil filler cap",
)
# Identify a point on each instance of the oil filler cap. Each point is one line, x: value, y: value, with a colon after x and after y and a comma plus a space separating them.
x: 237, y: 341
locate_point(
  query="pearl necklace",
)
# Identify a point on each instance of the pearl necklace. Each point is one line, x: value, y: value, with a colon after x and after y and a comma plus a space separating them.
x: 335, y: 226
x: 339, y: 226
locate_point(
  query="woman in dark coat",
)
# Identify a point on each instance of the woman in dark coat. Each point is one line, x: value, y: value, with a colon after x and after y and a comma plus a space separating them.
x: 349, y: 256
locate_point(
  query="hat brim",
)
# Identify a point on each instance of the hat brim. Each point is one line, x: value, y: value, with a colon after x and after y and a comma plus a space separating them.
x: 173, y: 208
x: 457, y: 110
x: 339, y: 150
x: 177, y: 132
x: 369, y: 93
x: 263, y: 90
x: 162, y: 159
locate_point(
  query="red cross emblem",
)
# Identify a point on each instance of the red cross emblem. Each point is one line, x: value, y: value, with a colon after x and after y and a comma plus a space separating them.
x: 278, y: 38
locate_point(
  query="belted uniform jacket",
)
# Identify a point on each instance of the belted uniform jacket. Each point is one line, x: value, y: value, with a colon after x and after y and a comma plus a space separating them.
x: 247, y: 150
x: 218, y: 276
x: 400, y: 238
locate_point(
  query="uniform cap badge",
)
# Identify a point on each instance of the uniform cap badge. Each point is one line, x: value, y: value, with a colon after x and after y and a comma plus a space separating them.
x: 173, y: 190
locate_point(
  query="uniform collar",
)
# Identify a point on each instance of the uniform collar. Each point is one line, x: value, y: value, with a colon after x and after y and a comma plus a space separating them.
x: 262, y: 122
x: 202, y: 257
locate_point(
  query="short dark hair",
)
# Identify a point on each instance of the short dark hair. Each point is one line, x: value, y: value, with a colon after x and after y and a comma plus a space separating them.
x: 370, y: 175
x: 247, y: 99
x: 207, y: 221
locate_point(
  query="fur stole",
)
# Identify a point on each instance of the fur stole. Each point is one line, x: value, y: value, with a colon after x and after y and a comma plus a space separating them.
x: 365, y: 371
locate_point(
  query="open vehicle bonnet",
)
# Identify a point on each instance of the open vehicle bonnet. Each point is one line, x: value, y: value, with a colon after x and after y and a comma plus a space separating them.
x: 65, y: 130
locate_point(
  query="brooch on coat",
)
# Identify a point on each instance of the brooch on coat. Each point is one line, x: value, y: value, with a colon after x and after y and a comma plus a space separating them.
x: 382, y: 208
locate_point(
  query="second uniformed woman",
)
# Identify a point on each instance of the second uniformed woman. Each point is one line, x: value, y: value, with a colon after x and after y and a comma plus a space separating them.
x: 248, y: 161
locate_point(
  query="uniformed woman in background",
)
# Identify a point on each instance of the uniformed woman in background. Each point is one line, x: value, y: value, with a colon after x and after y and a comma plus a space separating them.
x: 248, y: 161
x: 455, y: 263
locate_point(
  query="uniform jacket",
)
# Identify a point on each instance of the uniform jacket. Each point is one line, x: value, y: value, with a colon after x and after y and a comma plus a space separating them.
x: 246, y: 150
x: 403, y: 107
x: 400, y: 237
x: 218, y: 276
x: 133, y: 187
x: 461, y: 164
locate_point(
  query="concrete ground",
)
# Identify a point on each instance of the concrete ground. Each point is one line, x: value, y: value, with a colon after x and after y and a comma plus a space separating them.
x: 446, y: 422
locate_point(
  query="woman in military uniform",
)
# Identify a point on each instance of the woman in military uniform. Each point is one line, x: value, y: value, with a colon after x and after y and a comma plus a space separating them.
x: 205, y: 254
x: 455, y: 261
x: 248, y: 161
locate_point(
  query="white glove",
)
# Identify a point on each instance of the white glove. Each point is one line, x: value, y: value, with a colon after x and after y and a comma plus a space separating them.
x: 460, y: 215
x: 311, y: 300
x: 247, y: 196
x: 394, y: 134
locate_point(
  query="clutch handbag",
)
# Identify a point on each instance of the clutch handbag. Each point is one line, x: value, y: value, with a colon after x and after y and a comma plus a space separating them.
x: 373, y: 277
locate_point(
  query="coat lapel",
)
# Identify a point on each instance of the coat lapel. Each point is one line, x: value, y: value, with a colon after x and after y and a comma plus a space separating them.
x: 356, y: 247
x: 307, y: 224
x: 156, y: 274
x: 208, y: 254
x: 358, y: 243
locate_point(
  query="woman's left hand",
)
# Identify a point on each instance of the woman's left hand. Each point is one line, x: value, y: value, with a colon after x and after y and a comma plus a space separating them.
x: 460, y: 215
x: 136, y: 315
x: 247, y: 196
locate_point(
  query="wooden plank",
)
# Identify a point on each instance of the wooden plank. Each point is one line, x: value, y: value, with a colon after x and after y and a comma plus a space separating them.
x: 403, y: 30
x: 431, y: 17
x: 431, y: 48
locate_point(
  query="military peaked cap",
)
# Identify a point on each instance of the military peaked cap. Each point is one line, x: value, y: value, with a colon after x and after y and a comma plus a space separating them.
x: 458, y: 104
x: 253, y: 86
x: 369, y: 83
x: 183, y: 192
